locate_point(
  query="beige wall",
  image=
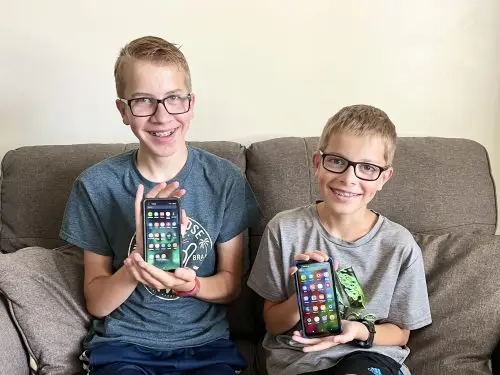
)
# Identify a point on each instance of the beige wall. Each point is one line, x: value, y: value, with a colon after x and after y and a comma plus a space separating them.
x: 260, y: 68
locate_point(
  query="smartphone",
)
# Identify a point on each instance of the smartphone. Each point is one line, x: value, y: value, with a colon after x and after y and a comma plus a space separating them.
x: 162, y: 232
x: 317, y: 298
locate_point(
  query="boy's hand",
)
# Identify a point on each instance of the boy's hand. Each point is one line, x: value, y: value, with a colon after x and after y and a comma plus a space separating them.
x: 350, y: 330
x: 323, y: 342
x: 159, y: 191
x: 316, y: 255
x: 182, y: 279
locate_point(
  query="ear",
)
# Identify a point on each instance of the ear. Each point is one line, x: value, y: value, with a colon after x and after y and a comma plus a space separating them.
x: 316, y: 160
x: 386, y: 176
x: 193, y: 97
x: 122, y: 108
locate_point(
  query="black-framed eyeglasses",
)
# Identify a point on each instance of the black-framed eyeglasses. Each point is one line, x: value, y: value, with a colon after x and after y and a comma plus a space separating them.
x: 145, y: 107
x: 364, y: 171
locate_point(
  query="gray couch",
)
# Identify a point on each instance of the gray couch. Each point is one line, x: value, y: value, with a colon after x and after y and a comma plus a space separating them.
x: 442, y: 190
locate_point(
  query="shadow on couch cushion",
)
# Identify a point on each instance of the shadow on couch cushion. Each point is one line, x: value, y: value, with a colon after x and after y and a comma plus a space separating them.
x: 13, y: 360
x: 463, y: 283
x: 45, y: 292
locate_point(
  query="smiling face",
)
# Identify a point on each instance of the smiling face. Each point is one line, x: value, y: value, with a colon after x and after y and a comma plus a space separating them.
x: 344, y: 193
x: 162, y: 134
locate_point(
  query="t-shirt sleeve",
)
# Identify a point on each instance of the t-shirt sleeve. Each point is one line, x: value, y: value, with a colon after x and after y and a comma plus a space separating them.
x: 81, y: 225
x: 267, y: 277
x: 410, y: 302
x: 241, y: 209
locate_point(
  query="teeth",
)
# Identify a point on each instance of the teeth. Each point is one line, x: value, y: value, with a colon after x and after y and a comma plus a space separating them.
x: 344, y: 194
x: 163, y: 134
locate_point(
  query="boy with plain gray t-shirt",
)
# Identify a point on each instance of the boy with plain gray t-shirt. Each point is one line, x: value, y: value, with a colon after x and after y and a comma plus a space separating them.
x: 378, y: 256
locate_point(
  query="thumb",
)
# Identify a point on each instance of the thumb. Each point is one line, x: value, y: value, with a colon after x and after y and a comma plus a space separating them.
x: 186, y: 274
x: 335, y: 265
x: 184, y: 222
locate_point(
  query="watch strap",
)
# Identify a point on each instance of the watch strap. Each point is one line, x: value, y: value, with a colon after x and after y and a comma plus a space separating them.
x: 368, y: 343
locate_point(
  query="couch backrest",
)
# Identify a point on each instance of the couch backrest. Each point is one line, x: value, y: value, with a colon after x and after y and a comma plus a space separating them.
x: 439, y: 184
x: 36, y: 182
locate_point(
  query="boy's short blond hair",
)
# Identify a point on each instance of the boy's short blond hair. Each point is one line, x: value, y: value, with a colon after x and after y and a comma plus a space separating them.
x: 153, y: 49
x: 362, y: 120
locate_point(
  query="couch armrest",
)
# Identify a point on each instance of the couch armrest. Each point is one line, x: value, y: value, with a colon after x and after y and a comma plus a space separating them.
x: 13, y: 356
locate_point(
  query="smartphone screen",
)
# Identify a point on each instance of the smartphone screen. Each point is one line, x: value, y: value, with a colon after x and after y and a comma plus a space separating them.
x: 162, y: 232
x: 317, y: 299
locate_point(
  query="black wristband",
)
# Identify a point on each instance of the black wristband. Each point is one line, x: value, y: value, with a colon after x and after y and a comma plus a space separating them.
x: 371, y: 334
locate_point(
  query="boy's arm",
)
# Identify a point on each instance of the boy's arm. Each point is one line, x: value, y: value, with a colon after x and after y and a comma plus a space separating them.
x: 225, y: 285
x: 105, y: 291
x: 386, y: 334
x: 222, y: 287
x: 390, y: 334
x: 281, y: 317
x: 241, y: 210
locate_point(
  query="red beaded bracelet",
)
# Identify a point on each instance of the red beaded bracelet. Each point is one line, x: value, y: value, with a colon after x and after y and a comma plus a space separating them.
x: 190, y: 293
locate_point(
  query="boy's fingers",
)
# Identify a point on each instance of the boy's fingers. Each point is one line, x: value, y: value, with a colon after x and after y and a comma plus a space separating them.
x: 145, y: 275
x: 138, y: 203
x: 166, y: 279
x: 316, y: 255
x: 184, y: 222
x: 304, y: 340
x: 321, y: 346
x: 335, y: 264
x: 155, y: 190
x: 319, y: 256
x: 303, y: 256
x: 168, y: 190
x: 341, y: 339
x: 185, y: 274
x: 292, y: 270
x: 139, y: 195
x: 178, y: 193
x: 136, y: 257
x: 184, y: 218
x: 151, y: 281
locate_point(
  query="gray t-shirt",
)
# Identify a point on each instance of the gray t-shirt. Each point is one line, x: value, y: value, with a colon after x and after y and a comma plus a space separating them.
x: 100, y: 217
x: 386, y: 261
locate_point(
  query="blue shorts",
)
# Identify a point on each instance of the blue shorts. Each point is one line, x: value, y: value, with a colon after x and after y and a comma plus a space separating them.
x: 220, y: 357
x: 363, y: 363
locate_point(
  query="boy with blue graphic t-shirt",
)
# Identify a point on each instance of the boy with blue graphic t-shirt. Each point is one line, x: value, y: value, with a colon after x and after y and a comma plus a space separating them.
x: 148, y: 320
x: 381, y: 278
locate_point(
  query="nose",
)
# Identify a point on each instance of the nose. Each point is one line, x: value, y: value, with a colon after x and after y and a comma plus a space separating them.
x: 349, y: 176
x: 161, y: 114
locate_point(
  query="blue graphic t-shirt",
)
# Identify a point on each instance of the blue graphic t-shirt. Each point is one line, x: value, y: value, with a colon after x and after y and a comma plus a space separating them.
x: 100, y: 217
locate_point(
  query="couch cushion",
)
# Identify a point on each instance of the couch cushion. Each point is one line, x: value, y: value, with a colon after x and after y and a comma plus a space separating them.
x: 435, y: 177
x: 37, y: 180
x: 44, y: 290
x: 36, y: 184
x: 463, y: 283
x: 13, y: 357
